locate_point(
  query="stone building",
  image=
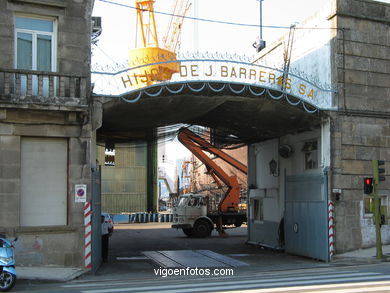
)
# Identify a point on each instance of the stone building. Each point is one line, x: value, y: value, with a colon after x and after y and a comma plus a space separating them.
x: 46, y: 127
x: 48, y: 123
x: 346, y: 46
x: 360, y: 129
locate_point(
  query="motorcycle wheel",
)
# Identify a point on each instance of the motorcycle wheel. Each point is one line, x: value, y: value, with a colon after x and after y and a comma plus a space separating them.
x: 7, y: 281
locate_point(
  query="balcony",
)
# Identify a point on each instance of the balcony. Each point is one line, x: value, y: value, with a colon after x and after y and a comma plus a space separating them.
x: 19, y: 86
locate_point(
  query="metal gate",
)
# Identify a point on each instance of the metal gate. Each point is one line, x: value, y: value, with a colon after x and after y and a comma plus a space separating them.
x: 96, y: 220
x: 306, y: 216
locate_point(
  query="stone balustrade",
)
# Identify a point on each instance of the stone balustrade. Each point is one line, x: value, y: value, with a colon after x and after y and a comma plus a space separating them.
x: 42, y: 87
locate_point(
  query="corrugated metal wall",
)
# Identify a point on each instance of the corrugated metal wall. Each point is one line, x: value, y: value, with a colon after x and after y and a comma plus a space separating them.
x: 124, y: 185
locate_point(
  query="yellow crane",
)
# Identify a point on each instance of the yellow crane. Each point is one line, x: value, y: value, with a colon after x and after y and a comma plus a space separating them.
x: 172, y: 35
x: 147, y: 49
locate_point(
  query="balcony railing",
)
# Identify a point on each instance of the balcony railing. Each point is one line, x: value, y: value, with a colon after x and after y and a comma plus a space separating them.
x: 30, y: 86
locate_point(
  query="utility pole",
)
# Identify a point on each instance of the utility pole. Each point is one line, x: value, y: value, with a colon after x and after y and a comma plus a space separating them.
x: 260, y: 44
x: 377, y: 213
x: 261, y: 19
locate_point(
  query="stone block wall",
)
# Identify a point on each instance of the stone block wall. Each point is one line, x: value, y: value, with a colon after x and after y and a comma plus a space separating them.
x: 360, y: 130
x: 44, y: 245
x: 49, y: 118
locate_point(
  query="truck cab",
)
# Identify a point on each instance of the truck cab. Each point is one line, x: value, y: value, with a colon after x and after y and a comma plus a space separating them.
x: 190, y: 215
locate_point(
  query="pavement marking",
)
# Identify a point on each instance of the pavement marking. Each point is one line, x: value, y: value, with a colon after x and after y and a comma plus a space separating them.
x: 267, y: 279
x: 162, y: 260
x: 118, y: 282
x: 222, y: 258
x: 249, y: 284
x: 131, y: 257
x: 192, y: 258
x: 374, y: 287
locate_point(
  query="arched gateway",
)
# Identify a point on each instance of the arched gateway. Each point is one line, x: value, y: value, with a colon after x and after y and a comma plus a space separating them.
x: 254, y: 102
x: 261, y: 106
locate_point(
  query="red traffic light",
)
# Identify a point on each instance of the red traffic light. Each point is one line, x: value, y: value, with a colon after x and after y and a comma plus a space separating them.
x: 368, y: 185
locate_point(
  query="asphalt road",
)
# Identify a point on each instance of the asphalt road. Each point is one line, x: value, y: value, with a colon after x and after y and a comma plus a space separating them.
x: 366, y: 278
x: 128, y: 242
x: 128, y: 271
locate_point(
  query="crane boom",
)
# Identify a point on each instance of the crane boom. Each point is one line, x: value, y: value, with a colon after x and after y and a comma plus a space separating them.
x: 172, y: 35
x: 198, y: 146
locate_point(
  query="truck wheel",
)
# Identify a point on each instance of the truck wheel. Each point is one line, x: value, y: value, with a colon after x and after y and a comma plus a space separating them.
x: 188, y: 231
x: 202, y: 229
x: 238, y: 224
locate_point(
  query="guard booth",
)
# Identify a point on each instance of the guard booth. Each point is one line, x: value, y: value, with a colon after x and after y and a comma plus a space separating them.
x: 289, y: 194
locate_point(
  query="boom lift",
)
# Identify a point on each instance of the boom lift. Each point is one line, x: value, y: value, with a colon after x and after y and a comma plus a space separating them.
x: 192, y: 213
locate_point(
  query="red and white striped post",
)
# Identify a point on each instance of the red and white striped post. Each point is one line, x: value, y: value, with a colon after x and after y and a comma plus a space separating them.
x: 88, y: 235
x: 331, y: 228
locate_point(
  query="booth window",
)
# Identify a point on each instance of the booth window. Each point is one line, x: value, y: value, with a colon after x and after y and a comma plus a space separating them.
x: 257, y: 210
x: 310, y: 149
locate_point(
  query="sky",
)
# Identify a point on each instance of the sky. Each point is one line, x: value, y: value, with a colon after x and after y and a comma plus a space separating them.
x: 118, y: 23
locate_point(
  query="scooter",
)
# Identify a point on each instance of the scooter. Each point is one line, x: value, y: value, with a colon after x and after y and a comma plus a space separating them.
x: 7, y: 264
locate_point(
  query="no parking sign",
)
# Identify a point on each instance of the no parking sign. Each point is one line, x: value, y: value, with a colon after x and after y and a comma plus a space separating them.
x: 80, y: 193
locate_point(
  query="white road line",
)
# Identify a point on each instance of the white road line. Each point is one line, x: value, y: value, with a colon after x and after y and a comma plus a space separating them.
x: 368, y: 287
x: 232, y: 282
x: 235, y: 285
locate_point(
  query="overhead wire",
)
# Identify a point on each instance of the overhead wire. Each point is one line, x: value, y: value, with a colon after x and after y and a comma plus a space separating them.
x: 211, y: 20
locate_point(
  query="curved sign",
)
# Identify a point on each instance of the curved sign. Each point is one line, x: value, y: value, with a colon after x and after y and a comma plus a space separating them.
x: 227, y: 71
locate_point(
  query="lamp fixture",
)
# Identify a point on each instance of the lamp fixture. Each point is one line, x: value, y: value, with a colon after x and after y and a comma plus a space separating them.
x: 273, y: 168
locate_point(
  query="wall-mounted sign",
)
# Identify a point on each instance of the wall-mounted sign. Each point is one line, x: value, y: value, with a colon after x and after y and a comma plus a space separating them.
x: 206, y: 70
x: 80, y: 193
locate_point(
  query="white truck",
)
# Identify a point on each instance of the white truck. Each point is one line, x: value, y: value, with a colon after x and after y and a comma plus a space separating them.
x: 193, y: 213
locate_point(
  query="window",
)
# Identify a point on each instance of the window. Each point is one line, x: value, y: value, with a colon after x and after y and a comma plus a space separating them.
x: 35, y: 48
x: 369, y: 205
x: 310, y: 149
x: 257, y: 214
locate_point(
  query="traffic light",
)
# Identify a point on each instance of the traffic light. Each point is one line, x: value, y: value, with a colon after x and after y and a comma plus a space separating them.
x: 381, y: 170
x: 368, y: 185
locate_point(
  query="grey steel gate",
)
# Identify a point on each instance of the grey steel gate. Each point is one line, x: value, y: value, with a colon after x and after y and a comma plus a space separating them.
x: 96, y: 220
x: 306, y: 216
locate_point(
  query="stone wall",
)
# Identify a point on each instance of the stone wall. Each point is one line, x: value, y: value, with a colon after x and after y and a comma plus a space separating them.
x: 44, y: 245
x: 29, y: 116
x: 361, y: 128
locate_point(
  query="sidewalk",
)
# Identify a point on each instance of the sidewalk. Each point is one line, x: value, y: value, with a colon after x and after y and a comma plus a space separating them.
x: 48, y: 273
x: 368, y: 254
x: 60, y: 274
